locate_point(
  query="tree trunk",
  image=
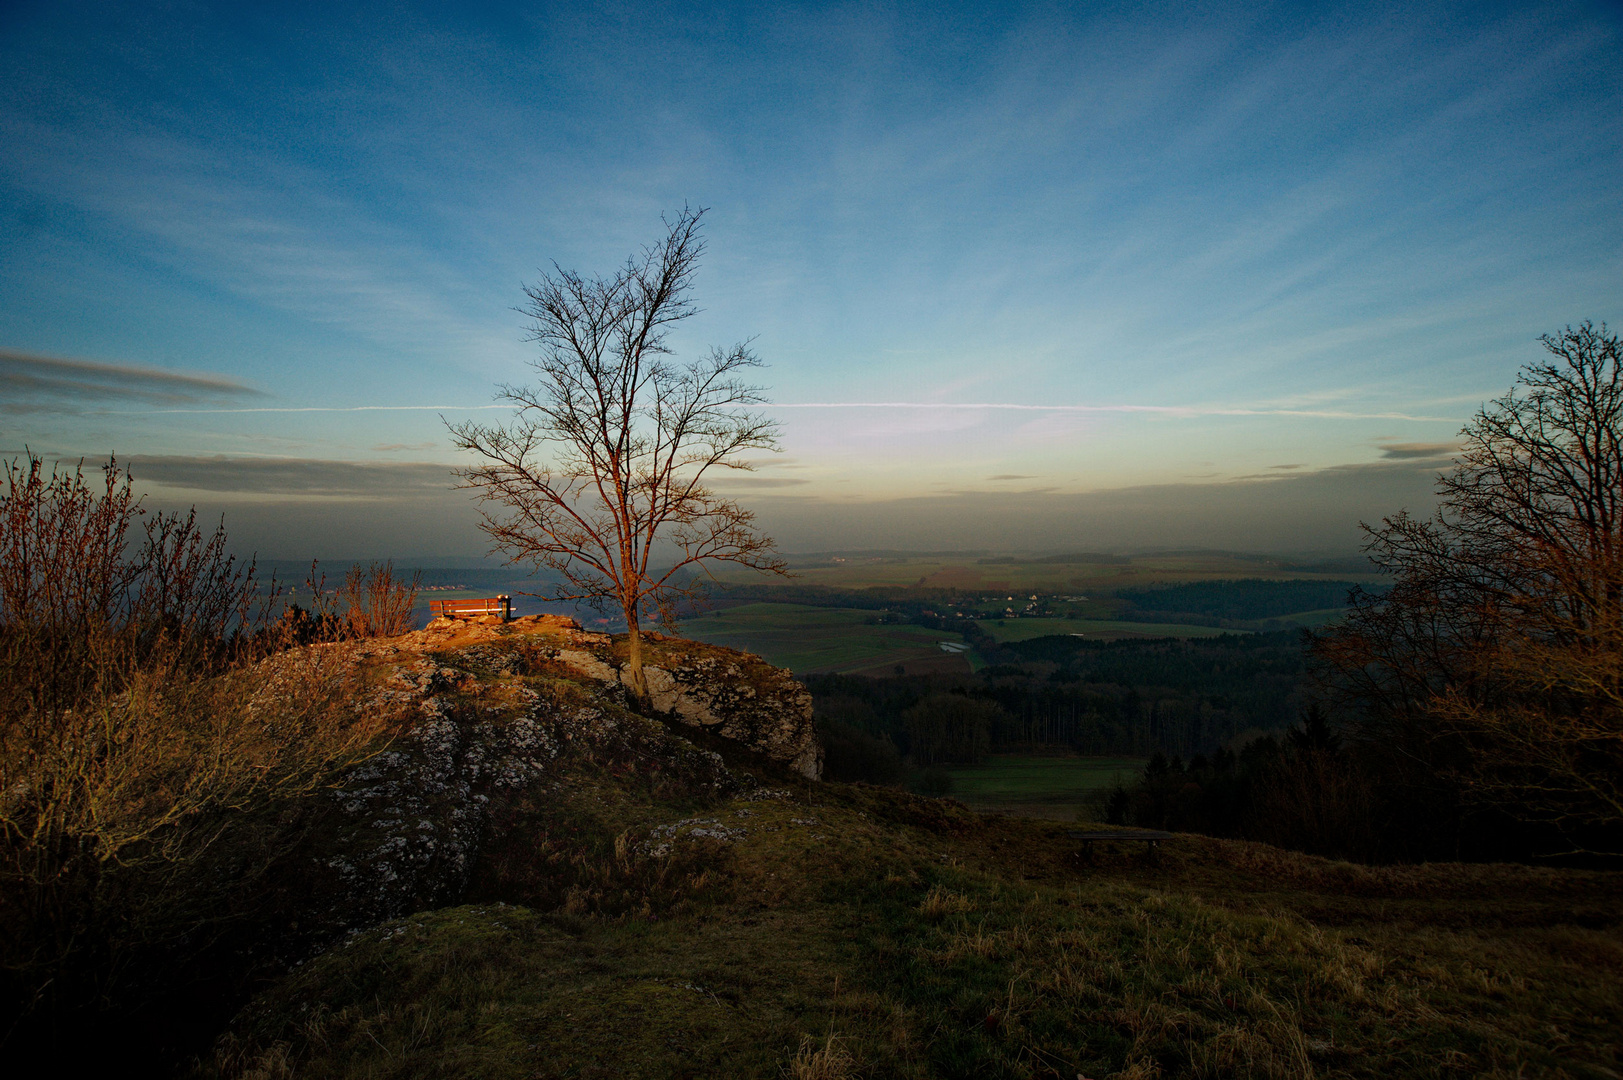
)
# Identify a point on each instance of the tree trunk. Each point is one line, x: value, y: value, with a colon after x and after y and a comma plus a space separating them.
x: 634, y: 680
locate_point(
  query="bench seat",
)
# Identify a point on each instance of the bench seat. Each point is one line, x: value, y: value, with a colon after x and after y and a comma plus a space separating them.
x: 1150, y: 837
x: 472, y: 609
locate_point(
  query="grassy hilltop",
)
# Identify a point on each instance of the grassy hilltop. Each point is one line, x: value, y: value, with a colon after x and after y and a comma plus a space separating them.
x: 621, y: 921
x: 852, y: 932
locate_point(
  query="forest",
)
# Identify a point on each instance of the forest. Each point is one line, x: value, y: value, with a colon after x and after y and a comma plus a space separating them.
x: 1127, y: 697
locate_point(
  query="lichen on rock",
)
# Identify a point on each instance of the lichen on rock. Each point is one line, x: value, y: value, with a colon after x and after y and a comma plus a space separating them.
x: 483, y: 708
x: 737, y: 696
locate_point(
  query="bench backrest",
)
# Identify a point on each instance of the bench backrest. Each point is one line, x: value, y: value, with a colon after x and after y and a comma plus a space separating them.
x: 468, y: 609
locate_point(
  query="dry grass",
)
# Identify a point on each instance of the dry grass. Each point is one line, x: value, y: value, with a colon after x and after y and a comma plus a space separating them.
x: 909, y: 953
x: 830, y: 1061
x: 938, y: 903
x: 852, y: 931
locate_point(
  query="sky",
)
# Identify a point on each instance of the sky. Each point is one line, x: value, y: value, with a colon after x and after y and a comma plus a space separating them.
x: 1040, y: 277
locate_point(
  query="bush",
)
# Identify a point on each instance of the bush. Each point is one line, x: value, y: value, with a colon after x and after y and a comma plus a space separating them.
x: 851, y: 755
x: 149, y: 772
x: 372, y: 603
x: 934, y: 782
x: 1486, y: 681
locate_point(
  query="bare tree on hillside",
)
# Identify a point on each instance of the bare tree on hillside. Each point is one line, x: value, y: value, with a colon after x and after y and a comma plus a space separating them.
x: 599, y: 477
x: 1502, y: 636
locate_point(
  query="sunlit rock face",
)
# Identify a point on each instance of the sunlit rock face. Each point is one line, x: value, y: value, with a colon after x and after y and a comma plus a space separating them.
x: 739, y: 697
x: 485, y: 710
x: 735, y: 695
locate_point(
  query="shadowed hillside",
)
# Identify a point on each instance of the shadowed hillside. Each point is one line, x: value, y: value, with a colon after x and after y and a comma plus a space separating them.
x: 652, y: 900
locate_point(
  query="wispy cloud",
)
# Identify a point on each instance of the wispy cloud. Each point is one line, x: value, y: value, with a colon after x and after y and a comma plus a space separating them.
x: 32, y: 382
x: 301, y: 477
x: 760, y: 482
x: 267, y: 228
x: 317, y: 409
x: 1405, y: 451
x: 1012, y: 476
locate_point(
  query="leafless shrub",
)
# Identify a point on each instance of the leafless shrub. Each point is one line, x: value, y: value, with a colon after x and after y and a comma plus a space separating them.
x: 371, y: 603
x: 378, y: 604
x: 144, y: 774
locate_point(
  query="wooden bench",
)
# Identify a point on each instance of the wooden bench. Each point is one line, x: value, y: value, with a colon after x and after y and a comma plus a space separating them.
x: 1150, y: 837
x: 473, y: 609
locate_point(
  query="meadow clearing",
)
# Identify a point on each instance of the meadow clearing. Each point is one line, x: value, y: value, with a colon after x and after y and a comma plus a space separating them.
x: 1061, y: 788
x: 804, y: 638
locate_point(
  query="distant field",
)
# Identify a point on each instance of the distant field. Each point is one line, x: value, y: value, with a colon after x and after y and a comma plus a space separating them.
x: 1314, y: 619
x: 806, y: 639
x: 1103, y: 629
x: 973, y: 574
x: 1051, y: 787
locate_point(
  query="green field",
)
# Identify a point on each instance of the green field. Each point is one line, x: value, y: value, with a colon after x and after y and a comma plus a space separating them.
x: 805, y: 639
x: 1050, y: 787
x: 1314, y: 619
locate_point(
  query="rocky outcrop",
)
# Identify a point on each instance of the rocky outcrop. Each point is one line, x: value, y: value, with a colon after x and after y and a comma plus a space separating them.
x: 735, y: 695
x: 486, y: 709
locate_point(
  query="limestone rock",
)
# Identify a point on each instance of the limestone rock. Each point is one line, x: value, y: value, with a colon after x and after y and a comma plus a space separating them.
x: 410, y: 821
x: 737, y: 696
x: 477, y: 716
x: 732, y: 694
x: 588, y: 665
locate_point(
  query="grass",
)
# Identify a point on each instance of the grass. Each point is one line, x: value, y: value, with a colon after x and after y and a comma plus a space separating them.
x: 622, y: 923
x: 1056, y: 787
x: 859, y: 932
x: 1102, y: 629
x: 804, y: 639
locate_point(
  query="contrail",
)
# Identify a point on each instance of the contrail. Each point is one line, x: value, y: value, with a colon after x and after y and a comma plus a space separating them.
x: 1162, y: 410
x: 310, y: 409
x: 1166, y: 410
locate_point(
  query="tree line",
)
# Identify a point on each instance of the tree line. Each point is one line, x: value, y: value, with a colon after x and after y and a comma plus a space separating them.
x: 1238, y: 604
x: 1129, y: 698
x: 1474, y: 709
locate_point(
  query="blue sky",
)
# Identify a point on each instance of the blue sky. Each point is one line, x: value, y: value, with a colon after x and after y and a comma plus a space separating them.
x: 1113, y: 276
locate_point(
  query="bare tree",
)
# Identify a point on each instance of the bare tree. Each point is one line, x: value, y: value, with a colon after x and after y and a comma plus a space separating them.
x: 1503, y: 632
x: 600, y: 476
